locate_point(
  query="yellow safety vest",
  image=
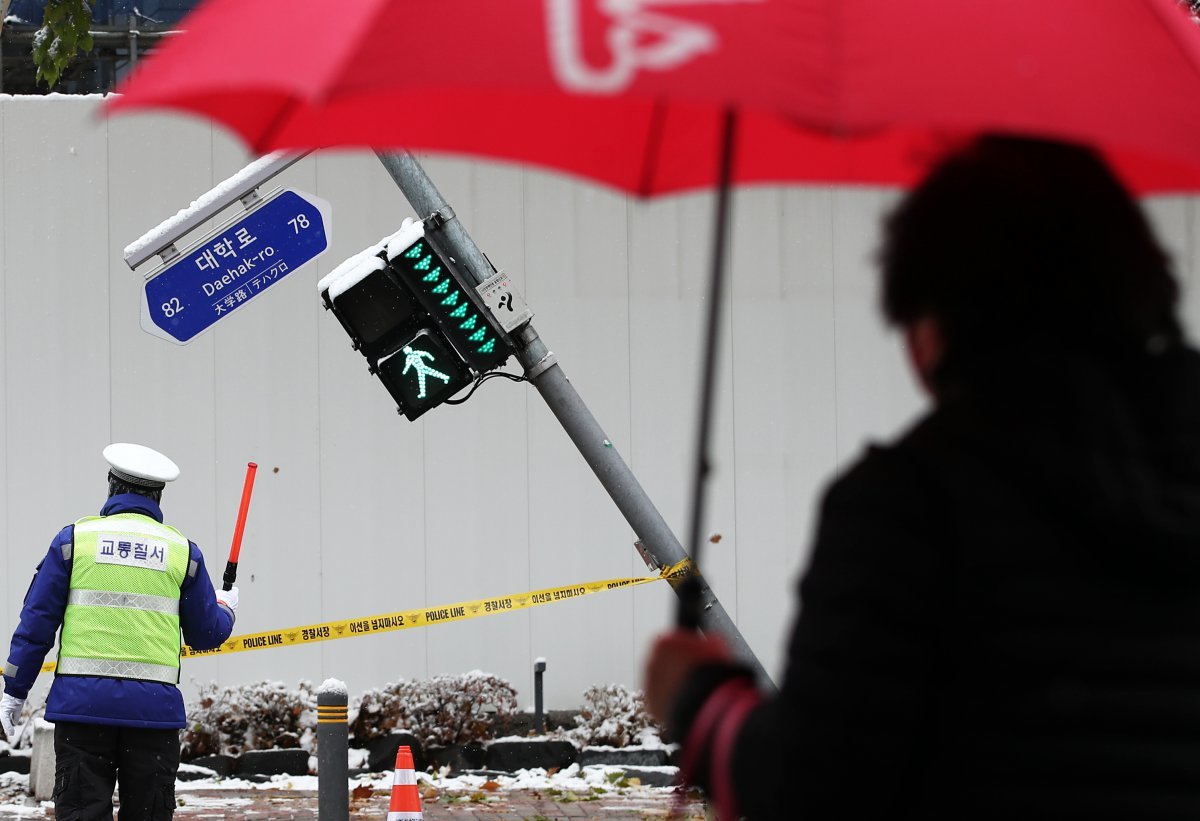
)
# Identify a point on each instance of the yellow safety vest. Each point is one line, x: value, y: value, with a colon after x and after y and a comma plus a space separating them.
x: 122, y: 618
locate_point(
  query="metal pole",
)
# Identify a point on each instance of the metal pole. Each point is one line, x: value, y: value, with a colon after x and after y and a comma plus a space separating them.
x: 564, y: 402
x: 333, y: 752
x: 539, y: 714
x: 133, y: 45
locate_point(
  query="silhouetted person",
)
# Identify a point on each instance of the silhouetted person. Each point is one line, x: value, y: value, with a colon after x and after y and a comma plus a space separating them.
x: 1001, y: 615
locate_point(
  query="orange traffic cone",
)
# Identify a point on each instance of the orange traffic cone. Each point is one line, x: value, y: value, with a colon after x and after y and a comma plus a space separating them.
x: 406, y: 801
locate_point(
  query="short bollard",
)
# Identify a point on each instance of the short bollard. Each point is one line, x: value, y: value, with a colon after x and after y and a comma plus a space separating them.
x: 41, y: 766
x: 539, y: 715
x: 333, y: 752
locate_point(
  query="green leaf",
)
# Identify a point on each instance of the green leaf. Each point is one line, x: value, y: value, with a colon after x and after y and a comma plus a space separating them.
x: 64, y: 33
x: 49, y: 73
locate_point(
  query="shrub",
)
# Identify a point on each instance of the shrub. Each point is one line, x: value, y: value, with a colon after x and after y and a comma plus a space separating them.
x: 611, y: 716
x: 264, y: 715
x: 441, y: 711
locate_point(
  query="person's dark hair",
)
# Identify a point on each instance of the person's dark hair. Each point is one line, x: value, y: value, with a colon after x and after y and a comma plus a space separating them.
x: 118, y: 486
x: 1021, y: 243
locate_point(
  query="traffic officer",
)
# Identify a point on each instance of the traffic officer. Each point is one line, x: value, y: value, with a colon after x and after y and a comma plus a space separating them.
x: 121, y: 586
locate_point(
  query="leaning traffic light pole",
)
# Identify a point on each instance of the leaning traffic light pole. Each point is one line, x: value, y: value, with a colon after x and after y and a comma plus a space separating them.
x: 450, y: 239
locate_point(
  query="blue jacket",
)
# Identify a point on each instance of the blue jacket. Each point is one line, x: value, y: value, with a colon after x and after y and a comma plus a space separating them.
x: 91, y: 699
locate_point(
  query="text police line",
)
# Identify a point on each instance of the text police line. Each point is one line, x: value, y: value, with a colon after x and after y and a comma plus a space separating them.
x: 408, y: 619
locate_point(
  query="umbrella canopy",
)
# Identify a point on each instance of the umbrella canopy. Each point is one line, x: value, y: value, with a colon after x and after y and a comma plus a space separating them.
x: 630, y: 93
x: 648, y: 95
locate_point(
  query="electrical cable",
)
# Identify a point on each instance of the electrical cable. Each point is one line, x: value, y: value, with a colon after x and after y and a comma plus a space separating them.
x: 483, y: 378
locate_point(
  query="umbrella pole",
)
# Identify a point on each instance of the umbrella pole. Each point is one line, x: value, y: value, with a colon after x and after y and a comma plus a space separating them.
x: 660, y: 546
x: 692, y: 591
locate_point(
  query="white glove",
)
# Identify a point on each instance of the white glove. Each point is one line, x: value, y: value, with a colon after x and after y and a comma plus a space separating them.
x: 10, y: 713
x: 229, y: 598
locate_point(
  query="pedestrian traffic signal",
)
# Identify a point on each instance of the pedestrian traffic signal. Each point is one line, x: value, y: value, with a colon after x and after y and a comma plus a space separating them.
x: 422, y: 373
x: 423, y: 333
x: 463, y: 320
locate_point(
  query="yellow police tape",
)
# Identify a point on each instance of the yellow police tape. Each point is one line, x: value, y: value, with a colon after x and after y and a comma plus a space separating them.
x: 408, y: 619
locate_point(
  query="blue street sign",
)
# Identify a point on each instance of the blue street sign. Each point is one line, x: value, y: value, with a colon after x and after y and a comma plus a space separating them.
x: 234, y: 264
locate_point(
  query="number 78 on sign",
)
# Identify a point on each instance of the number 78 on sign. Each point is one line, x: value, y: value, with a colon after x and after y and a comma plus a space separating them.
x: 234, y: 264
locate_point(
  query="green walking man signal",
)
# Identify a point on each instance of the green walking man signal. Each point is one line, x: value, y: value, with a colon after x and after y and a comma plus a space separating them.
x: 423, y: 373
x: 412, y: 358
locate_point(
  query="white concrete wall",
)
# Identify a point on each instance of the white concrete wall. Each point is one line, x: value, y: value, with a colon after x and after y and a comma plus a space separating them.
x: 358, y: 512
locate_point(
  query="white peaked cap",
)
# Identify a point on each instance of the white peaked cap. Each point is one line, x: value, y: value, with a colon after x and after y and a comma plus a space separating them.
x: 140, y: 465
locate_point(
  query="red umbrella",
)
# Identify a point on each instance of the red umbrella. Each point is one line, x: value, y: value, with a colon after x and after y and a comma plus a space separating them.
x: 630, y: 92
x: 644, y: 95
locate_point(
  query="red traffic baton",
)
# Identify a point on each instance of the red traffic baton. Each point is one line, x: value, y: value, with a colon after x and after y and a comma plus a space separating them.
x: 235, y: 549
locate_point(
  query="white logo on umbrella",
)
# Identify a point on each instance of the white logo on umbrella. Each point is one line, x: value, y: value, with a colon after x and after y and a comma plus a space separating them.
x: 673, y: 43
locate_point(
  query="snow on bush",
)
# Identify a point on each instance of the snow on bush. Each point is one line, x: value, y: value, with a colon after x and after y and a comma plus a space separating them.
x: 264, y: 715
x: 440, y: 711
x: 611, y: 716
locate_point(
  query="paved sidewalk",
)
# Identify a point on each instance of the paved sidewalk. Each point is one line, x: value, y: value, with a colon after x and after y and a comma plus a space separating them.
x: 506, y: 805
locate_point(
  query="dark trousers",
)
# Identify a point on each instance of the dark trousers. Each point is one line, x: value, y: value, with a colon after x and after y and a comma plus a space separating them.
x: 92, y: 758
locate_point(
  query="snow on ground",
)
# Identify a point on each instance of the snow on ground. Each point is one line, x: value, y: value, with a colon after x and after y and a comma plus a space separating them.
x: 572, y: 779
x: 592, y: 781
x: 13, y: 789
x: 213, y: 802
x: 199, y: 772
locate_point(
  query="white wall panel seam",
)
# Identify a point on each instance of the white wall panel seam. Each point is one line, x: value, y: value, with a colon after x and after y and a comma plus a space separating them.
x: 108, y: 269
x: 529, y: 394
x: 216, y: 507
x: 425, y: 534
x: 833, y: 291
x: 320, y: 531
x: 1189, y: 271
x: 633, y: 561
x: 1190, y: 274
x: 9, y: 561
x: 731, y: 380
